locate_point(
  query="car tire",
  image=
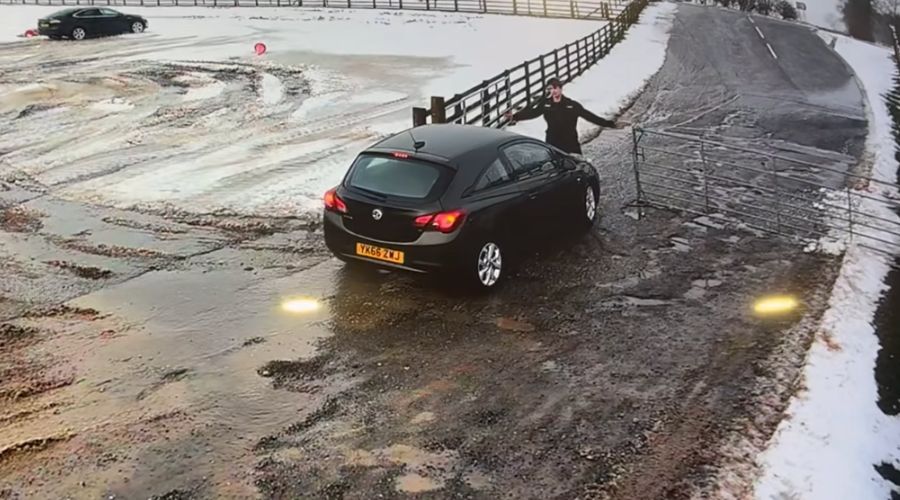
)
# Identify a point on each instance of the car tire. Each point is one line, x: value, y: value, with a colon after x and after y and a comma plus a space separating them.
x: 79, y: 33
x: 137, y: 27
x: 487, y: 266
x: 587, y: 206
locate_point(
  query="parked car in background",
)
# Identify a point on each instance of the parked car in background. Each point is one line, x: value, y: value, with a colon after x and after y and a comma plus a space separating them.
x: 86, y: 22
x: 456, y: 199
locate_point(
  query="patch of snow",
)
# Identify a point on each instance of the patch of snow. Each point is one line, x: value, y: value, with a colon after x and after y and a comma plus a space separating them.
x: 258, y: 157
x: 833, y: 433
x: 206, y: 92
x: 619, y: 77
x: 114, y: 105
x: 272, y: 90
x: 825, y: 14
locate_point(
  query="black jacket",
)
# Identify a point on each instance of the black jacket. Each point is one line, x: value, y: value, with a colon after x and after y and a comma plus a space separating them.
x: 562, y: 121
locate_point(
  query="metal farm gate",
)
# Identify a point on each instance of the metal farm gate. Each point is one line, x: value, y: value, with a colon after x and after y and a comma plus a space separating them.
x: 785, y: 194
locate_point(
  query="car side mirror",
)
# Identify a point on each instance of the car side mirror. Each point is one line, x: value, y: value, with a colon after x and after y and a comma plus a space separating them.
x: 567, y: 163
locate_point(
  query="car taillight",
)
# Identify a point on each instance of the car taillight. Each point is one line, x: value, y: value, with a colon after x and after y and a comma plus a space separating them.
x: 445, y: 222
x: 334, y: 202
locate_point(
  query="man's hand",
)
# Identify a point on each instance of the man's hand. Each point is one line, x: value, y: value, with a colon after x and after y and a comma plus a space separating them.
x: 508, y: 115
x: 622, y: 124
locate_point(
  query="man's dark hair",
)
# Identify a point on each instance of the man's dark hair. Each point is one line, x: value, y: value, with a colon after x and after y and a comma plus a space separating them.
x: 554, y: 82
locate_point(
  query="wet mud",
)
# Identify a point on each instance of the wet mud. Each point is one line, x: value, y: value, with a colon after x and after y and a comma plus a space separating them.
x: 612, y: 364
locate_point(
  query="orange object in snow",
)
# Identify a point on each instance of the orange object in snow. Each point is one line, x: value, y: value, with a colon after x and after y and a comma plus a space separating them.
x: 260, y: 48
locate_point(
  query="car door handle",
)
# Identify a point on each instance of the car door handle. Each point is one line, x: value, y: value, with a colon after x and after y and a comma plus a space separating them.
x: 532, y: 195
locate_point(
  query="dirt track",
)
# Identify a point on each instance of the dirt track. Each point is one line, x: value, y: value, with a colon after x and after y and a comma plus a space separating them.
x: 147, y: 355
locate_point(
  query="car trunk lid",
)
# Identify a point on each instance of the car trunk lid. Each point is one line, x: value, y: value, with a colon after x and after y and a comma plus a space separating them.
x: 385, y: 193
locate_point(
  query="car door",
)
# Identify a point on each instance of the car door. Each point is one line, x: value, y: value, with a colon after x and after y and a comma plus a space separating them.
x: 88, y: 19
x: 113, y: 21
x: 536, y: 173
x: 497, y: 203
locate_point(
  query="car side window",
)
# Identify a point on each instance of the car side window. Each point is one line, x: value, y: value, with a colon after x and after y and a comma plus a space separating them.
x: 494, y: 175
x: 88, y: 13
x: 527, y: 158
x: 109, y: 12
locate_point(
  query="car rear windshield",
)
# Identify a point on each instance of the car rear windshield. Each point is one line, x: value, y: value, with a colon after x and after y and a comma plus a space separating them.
x: 63, y: 13
x: 389, y: 175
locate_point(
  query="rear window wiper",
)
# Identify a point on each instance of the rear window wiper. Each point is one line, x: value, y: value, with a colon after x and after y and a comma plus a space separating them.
x: 376, y: 194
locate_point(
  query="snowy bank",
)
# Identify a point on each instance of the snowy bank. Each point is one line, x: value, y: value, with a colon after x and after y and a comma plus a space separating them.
x: 615, y: 80
x: 833, y: 434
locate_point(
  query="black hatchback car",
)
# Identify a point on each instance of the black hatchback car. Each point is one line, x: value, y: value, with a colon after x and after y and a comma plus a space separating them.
x: 86, y: 22
x: 457, y: 199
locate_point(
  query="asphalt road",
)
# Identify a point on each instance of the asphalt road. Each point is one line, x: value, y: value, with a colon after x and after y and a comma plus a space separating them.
x: 616, y: 365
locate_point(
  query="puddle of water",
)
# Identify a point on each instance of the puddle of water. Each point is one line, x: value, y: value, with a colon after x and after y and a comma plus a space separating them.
x: 187, y: 343
x: 73, y: 220
x: 626, y: 301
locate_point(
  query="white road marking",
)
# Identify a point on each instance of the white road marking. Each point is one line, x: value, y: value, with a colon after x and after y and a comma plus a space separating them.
x: 750, y: 18
x: 772, y: 51
x: 760, y: 33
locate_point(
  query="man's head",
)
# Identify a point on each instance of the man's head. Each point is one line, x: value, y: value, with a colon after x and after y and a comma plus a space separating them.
x: 554, y: 88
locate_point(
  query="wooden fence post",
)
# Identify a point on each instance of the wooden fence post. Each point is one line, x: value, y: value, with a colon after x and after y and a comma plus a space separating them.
x: 527, y: 82
x: 420, y: 117
x: 556, y: 64
x: 515, y: 8
x: 456, y: 5
x: 543, y: 72
x: 572, y: 8
x: 438, y: 110
x: 545, y: 8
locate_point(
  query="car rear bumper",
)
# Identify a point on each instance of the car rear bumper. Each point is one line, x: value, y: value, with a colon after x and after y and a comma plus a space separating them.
x: 52, y: 29
x: 419, y: 257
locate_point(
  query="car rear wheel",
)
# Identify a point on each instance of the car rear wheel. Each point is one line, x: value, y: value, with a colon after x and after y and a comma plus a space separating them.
x: 488, y: 266
x: 79, y: 33
x: 137, y: 27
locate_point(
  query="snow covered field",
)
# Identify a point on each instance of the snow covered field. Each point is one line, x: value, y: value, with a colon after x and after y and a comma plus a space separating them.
x: 834, y: 434
x: 187, y: 117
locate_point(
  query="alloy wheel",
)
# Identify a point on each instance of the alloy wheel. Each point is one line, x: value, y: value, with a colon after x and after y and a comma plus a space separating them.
x: 490, y: 264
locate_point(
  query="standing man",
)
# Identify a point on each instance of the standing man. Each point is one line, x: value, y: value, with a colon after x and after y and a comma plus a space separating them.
x: 561, y: 114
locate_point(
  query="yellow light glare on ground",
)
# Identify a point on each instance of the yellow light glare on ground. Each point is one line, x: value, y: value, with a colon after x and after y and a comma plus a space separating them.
x: 776, y: 304
x: 300, y: 305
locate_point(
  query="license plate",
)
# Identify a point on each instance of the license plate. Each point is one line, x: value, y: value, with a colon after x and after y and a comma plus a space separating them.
x: 385, y: 254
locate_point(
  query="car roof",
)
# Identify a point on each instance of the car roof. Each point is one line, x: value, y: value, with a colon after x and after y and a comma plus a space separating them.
x: 453, y: 143
x: 66, y: 12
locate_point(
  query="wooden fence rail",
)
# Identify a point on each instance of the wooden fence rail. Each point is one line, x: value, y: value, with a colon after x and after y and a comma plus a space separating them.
x: 486, y: 103
x: 576, y: 9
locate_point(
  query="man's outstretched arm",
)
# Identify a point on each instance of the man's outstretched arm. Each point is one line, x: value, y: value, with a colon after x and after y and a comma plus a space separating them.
x: 530, y: 113
x: 596, y: 120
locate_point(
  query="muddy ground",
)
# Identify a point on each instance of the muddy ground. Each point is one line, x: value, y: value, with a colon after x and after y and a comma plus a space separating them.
x: 148, y: 355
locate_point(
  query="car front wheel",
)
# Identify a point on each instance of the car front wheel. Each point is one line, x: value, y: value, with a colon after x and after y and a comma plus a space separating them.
x: 589, y: 206
x: 79, y: 33
x: 137, y: 27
